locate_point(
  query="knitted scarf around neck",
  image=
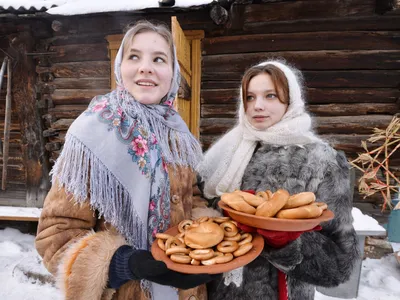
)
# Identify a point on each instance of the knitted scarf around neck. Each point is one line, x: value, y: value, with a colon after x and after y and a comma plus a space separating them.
x: 116, y: 155
x: 225, y: 162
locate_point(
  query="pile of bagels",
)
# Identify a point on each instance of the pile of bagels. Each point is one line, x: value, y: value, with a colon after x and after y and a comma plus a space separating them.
x: 279, y: 204
x: 205, y: 241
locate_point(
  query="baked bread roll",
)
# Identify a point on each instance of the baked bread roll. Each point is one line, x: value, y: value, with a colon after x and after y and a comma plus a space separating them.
x: 321, y: 205
x: 237, y: 202
x: 304, y: 212
x: 271, y: 207
x: 253, y: 200
x: 300, y: 199
x: 205, y: 235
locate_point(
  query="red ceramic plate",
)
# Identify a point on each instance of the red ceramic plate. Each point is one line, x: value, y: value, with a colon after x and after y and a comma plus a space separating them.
x: 275, y: 223
x: 159, y: 254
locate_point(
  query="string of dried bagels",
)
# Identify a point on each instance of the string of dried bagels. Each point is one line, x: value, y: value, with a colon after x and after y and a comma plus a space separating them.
x: 279, y: 204
x: 205, y: 241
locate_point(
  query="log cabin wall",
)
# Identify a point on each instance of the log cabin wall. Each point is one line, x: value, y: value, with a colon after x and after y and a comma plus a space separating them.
x: 27, y: 180
x: 349, y: 54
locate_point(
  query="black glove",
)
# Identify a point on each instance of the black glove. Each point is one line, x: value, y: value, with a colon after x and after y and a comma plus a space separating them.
x: 142, y: 265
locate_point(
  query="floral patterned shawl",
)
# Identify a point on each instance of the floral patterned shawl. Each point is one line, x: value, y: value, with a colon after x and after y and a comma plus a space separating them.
x: 116, y: 153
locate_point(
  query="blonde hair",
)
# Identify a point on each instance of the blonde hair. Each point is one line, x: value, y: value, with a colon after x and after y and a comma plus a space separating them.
x: 147, y: 26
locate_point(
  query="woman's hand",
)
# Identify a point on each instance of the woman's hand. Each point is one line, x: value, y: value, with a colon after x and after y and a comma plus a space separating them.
x: 142, y: 265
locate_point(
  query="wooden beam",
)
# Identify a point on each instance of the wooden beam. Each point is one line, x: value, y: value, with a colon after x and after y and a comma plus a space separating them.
x: 7, y: 125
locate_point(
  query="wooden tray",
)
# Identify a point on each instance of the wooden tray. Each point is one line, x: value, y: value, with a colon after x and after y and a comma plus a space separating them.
x: 237, y: 262
x: 275, y: 223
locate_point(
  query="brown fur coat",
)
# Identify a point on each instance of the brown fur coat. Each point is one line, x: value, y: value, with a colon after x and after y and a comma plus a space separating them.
x: 77, y: 246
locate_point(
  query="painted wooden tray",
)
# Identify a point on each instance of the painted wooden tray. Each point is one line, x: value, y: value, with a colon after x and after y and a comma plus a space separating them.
x: 275, y: 223
x: 237, y: 262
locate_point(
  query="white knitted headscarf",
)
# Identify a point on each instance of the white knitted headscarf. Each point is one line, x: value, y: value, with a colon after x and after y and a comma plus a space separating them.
x: 225, y: 162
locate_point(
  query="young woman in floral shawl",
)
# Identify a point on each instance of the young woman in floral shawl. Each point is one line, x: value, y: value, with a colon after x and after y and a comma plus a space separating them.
x: 124, y: 159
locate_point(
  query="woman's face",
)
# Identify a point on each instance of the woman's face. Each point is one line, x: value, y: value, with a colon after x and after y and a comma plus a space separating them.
x: 263, y: 106
x: 146, y: 68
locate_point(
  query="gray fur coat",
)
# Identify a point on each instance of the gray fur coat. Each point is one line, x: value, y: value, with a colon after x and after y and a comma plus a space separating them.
x: 323, y: 258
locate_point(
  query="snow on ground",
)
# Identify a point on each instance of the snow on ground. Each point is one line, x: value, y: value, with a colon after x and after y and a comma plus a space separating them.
x: 380, y: 279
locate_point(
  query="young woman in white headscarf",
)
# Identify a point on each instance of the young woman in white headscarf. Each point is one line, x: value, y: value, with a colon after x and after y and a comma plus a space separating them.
x: 273, y: 147
x: 124, y: 174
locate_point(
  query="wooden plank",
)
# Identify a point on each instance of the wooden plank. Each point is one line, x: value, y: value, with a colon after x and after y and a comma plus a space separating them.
x: 196, y: 83
x: 323, y: 125
x: 77, y: 69
x: 82, y: 83
x: 307, y: 60
x: 183, y: 48
x: 79, y: 53
x: 7, y: 126
x: 76, y: 96
x: 324, y: 78
x: 316, y: 9
x: 303, y: 41
x: 314, y: 96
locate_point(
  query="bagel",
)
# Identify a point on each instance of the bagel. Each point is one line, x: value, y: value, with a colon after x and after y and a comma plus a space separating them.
x: 304, y: 212
x: 237, y: 202
x: 271, y: 207
x: 300, y: 199
x: 205, y: 235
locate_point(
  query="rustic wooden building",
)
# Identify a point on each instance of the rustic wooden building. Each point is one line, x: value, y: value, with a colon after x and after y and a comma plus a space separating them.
x: 349, y: 51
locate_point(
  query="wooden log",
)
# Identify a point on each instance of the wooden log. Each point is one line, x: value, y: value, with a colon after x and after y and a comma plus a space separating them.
x: 229, y: 110
x: 218, y: 110
x: 351, y: 124
x: 77, y: 69
x: 62, y: 124
x: 324, y: 125
x: 53, y: 146
x: 307, y: 60
x: 329, y: 95
x: 368, y: 23
x: 302, y: 41
x: 343, y: 79
x: 199, y: 19
x: 67, y: 111
x: 62, y: 96
x: 314, y: 96
x: 79, y: 53
x: 354, y: 109
x: 296, y: 10
x: 82, y: 83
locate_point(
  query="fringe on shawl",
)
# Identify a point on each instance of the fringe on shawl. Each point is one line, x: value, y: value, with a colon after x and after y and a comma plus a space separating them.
x: 82, y: 174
